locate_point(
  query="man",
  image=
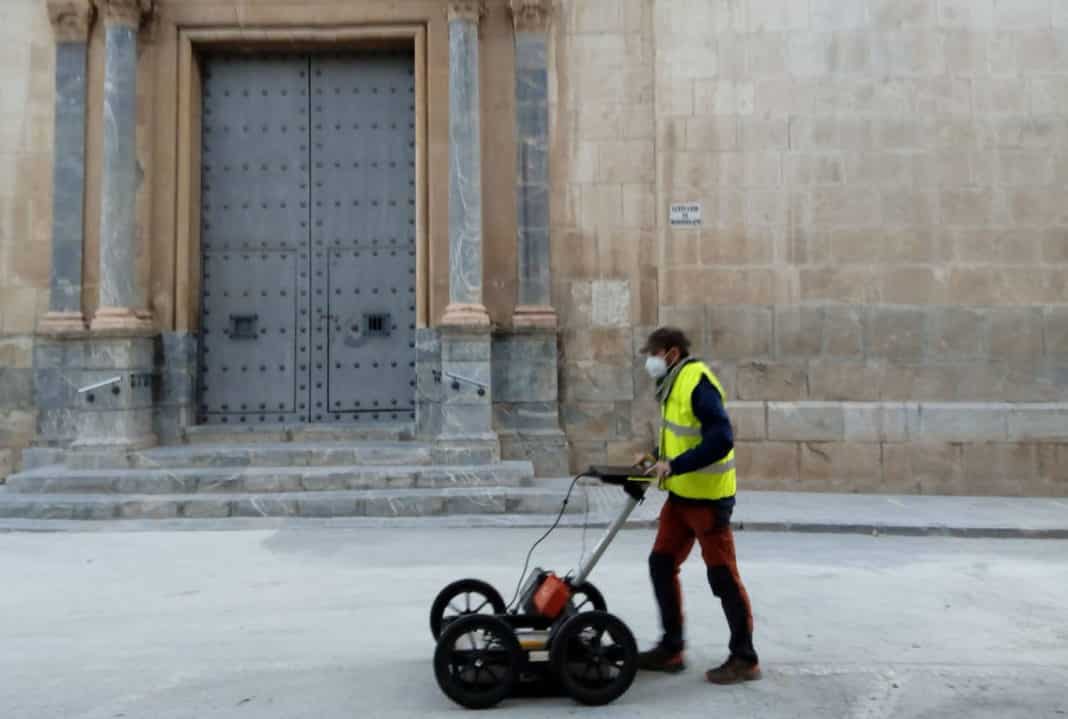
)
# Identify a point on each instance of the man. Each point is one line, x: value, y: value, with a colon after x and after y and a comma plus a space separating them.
x: 696, y: 466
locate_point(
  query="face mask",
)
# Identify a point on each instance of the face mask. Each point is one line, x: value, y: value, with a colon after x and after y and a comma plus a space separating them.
x: 656, y: 367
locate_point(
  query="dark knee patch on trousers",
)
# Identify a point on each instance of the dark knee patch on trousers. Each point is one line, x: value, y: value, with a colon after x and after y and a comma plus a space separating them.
x: 722, y: 581
x: 661, y: 565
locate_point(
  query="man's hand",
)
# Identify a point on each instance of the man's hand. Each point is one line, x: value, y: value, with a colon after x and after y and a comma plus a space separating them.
x: 642, y: 459
x: 660, y: 470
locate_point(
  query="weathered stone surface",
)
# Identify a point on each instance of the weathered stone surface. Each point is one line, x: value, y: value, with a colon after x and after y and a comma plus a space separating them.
x: 769, y: 465
x: 749, y: 420
x: 526, y: 416
x: 929, y: 468
x: 739, y: 333
x: 759, y: 380
x: 999, y: 469
x: 1031, y: 423
x: 596, y: 382
x: 16, y: 388
x: 830, y: 380
x: 957, y: 333
x: 16, y: 352
x: 809, y: 421
x: 842, y: 466
x: 465, y: 165
x: 960, y: 422
x: 877, y: 422
x: 798, y: 331
x: 520, y: 380
x: 895, y: 334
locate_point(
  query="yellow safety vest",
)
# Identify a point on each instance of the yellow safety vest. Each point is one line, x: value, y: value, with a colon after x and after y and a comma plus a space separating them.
x: 680, y: 430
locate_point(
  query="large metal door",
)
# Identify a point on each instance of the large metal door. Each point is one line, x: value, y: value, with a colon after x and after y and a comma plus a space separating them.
x: 308, y: 239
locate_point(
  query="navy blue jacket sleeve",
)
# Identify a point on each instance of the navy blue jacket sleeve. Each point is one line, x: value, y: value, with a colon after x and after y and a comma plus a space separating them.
x: 717, y: 438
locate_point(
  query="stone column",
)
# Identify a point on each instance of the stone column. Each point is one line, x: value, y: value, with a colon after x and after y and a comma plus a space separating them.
x: 71, y: 20
x: 534, y: 307
x: 465, y: 169
x: 122, y: 296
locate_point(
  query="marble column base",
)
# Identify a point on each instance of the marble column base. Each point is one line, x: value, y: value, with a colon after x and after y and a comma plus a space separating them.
x: 534, y: 317
x: 466, y: 315
x: 121, y: 318
x: 62, y: 323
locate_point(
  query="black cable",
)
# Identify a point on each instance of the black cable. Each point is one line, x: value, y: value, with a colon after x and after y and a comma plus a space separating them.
x: 526, y: 562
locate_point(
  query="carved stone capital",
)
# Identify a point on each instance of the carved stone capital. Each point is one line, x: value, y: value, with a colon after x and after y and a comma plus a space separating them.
x: 125, y: 12
x: 532, y: 15
x: 470, y: 10
x: 71, y: 19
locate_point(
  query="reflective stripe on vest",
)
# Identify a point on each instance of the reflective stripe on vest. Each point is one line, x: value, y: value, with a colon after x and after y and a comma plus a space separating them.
x: 680, y: 431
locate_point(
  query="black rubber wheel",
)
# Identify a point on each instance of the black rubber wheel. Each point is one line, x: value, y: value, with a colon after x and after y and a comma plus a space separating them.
x: 587, y: 598
x: 594, y: 657
x: 462, y: 597
x: 477, y: 661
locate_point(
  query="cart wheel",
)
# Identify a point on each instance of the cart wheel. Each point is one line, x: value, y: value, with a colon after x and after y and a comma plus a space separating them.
x: 586, y: 598
x: 595, y: 657
x: 477, y: 661
x: 465, y: 596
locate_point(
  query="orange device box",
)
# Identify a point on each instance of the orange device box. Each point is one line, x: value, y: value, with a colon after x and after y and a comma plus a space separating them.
x: 552, y: 596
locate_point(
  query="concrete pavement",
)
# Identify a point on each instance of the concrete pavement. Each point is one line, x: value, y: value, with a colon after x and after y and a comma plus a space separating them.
x: 1017, y: 517
x: 332, y: 623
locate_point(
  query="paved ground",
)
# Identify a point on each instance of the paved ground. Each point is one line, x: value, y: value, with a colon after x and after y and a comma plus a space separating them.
x: 332, y: 623
x: 1027, y: 517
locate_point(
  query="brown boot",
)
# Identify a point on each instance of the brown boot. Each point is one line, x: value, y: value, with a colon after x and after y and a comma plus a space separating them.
x: 733, y: 671
x: 660, y: 659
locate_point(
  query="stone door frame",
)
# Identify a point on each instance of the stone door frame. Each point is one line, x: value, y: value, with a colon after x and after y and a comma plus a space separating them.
x: 187, y: 136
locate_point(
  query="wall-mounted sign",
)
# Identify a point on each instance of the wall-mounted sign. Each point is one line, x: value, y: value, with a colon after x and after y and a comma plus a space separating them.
x: 685, y: 214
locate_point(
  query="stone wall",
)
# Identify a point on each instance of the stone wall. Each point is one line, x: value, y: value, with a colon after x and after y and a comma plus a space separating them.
x: 26, y: 62
x: 881, y: 184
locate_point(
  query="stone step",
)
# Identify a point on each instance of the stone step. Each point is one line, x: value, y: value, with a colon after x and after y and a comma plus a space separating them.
x: 353, y: 432
x: 263, y: 480
x: 369, y: 503
x: 266, y: 454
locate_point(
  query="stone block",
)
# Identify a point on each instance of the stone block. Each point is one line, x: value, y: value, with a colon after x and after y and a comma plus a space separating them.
x: 597, y: 382
x: 606, y: 344
x: 547, y: 452
x: 961, y: 422
x: 969, y: 14
x: 115, y: 427
x: 842, y: 331
x: 463, y: 420
x: 688, y: 318
x: 584, y: 453
x: 798, y: 332
x: 526, y: 416
x: 762, y: 381
x: 16, y: 427
x: 1052, y: 467
x: 591, y: 420
x: 739, y: 332
x: 1015, y: 334
x: 461, y: 348
x: 776, y: 462
x: 520, y: 380
x: 1056, y: 332
x: 845, y: 381
x: 1038, y: 423
x: 998, y: 468
x: 58, y: 426
x: 16, y: 352
x: 266, y: 506
x: 895, y: 334
x: 957, y: 333
x: 876, y: 421
x: 155, y: 508
x: 7, y: 463
x: 16, y: 388
x: 806, y: 421
x: 748, y: 420
x: 842, y: 466
x: 927, y: 468
x: 611, y: 302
